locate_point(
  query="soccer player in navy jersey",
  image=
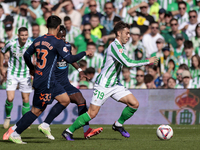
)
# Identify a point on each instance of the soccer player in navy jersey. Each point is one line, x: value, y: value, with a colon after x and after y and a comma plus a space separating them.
x: 75, y: 95
x: 46, y: 87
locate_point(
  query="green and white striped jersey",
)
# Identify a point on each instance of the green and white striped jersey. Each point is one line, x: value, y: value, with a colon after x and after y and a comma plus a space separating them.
x: 115, y: 57
x: 21, y: 21
x: 185, y: 60
x: 95, y: 62
x: 16, y: 64
x: 182, y: 19
x: 130, y: 84
x: 74, y: 32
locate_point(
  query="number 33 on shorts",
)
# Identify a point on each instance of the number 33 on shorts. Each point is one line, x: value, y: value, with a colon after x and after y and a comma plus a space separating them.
x: 98, y: 94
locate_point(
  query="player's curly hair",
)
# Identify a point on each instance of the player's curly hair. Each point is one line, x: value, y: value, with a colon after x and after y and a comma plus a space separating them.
x: 119, y: 26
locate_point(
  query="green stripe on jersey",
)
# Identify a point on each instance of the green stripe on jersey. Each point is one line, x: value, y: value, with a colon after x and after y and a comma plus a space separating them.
x: 14, y: 61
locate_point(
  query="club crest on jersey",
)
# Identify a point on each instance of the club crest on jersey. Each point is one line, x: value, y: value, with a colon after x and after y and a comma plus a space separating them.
x: 65, y: 49
x: 121, y: 50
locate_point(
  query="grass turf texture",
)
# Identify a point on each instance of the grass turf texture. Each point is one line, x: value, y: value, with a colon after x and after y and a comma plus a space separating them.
x: 143, y: 137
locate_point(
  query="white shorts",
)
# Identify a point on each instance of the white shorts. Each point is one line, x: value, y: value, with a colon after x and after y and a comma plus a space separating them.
x: 101, y: 94
x: 24, y: 84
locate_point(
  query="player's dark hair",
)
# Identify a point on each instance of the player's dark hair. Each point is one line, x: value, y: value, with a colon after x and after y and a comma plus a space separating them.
x: 154, y: 67
x: 148, y: 78
x: 120, y: 26
x: 91, y: 43
x: 1, y: 6
x: 90, y: 70
x: 21, y: 29
x: 173, y: 20
x: 67, y: 18
x: 82, y: 63
x: 183, y: 66
x: 117, y: 19
x: 53, y: 22
x: 62, y: 28
x: 188, y: 44
x: 182, y: 2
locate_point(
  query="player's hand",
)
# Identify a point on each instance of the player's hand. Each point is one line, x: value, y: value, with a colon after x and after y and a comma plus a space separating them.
x: 32, y: 72
x: 82, y: 75
x: 153, y: 60
x: 88, y: 53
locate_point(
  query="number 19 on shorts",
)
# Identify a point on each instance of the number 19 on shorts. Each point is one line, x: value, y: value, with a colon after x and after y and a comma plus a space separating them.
x: 98, y: 94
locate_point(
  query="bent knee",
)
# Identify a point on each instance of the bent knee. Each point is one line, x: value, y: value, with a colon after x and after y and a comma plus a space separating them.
x: 134, y: 104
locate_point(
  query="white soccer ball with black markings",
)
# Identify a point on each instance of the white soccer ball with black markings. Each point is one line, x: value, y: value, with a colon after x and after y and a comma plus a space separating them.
x: 164, y: 132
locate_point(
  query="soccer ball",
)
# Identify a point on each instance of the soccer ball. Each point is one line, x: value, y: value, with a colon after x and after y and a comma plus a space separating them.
x: 164, y: 132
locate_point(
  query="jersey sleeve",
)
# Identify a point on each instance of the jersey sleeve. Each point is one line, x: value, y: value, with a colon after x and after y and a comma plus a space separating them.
x: 119, y: 55
x: 64, y: 50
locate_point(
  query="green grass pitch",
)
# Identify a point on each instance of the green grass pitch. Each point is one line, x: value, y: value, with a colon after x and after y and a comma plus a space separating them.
x: 143, y: 137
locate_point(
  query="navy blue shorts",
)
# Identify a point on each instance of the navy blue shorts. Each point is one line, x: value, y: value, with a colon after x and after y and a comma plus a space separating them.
x: 70, y: 89
x: 43, y: 97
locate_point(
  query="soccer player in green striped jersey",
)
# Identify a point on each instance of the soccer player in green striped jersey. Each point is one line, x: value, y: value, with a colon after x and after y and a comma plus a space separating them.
x: 108, y: 85
x: 17, y: 73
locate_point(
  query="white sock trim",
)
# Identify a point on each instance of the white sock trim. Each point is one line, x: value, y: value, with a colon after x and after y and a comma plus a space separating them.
x: 69, y: 131
x: 118, y: 124
x: 14, y: 127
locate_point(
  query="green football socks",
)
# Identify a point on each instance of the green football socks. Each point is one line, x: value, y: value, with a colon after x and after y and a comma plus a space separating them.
x: 8, y: 108
x: 79, y: 122
x: 25, y: 108
x: 126, y: 114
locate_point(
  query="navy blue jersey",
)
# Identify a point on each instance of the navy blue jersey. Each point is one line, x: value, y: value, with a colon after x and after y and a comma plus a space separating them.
x: 61, y: 71
x: 48, y: 48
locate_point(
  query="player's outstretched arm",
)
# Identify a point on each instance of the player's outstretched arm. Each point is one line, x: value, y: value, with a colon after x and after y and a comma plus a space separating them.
x: 124, y: 60
x: 2, y: 70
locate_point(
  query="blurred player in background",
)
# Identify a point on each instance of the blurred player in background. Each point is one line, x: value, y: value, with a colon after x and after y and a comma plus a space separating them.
x: 75, y: 95
x: 108, y: 85
x: 17, y: 73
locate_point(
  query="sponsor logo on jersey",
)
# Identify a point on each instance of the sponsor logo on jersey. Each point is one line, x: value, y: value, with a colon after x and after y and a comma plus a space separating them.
x: 62, y: 64
x: 121, y: 50
x: 65, y: 49
x: 38, y: 72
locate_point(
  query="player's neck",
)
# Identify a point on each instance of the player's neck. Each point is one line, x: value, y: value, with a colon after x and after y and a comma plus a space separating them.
x: 21, y: 44
x: 52, y: 31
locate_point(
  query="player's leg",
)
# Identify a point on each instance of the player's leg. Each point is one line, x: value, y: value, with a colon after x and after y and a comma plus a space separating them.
x: 63, y: 101
x: 8, y: 108
x: 25, y: 88
x: 81, y: 121
x: 26, y: 120
x: 80, y: 101
x: 96, y: 103
x: 125, y: 96
x: 26, y: 105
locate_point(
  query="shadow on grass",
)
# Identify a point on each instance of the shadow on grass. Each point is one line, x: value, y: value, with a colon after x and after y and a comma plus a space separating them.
x: 94, y: 139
